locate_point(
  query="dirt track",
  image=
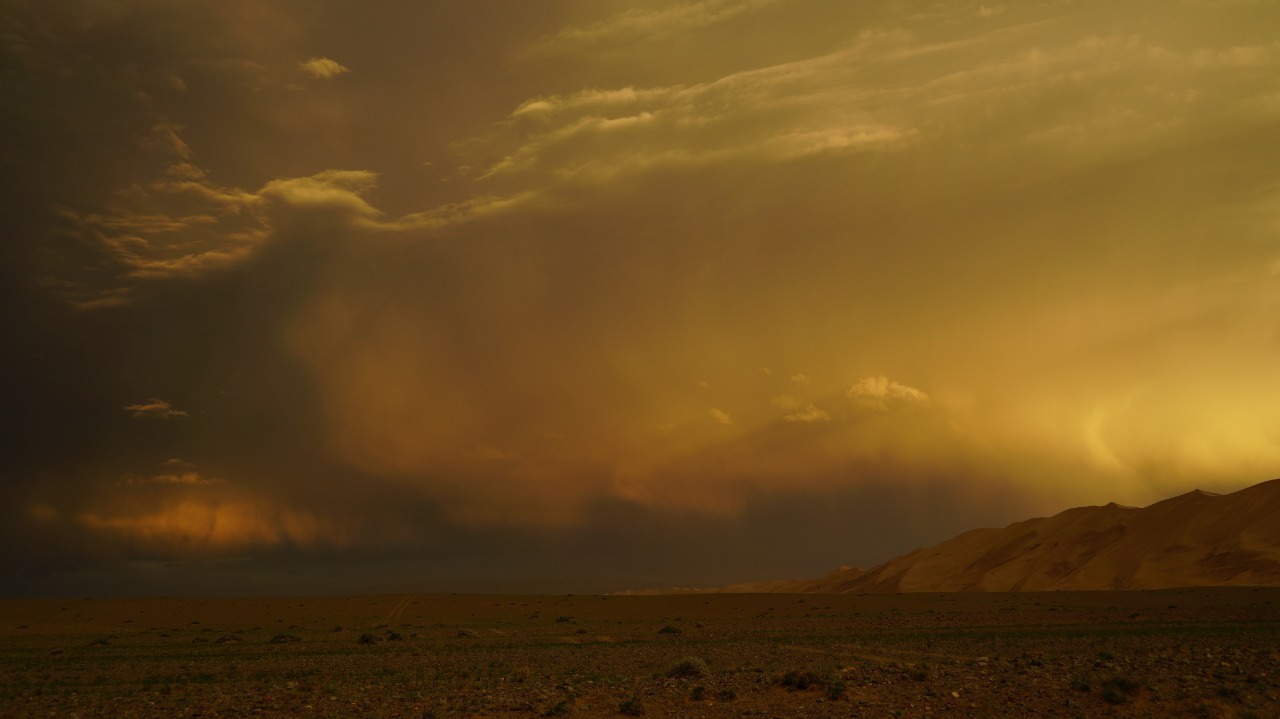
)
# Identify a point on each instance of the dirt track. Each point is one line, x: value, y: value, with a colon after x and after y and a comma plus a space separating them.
x: 1196, y: 653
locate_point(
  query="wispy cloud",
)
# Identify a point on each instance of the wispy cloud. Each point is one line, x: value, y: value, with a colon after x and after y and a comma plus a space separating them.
x: 177, y: 479
x: 778, y: 113
x: 173, y: 473
x: 885, y: 91
x: 155, y: 409
x: 186, y: 226
x: 640, y: 23
x: 808, y: 414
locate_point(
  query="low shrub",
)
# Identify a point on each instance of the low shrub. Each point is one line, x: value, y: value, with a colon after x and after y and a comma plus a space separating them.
x: 1117, y: 689
x: 688, y: 668
x: 631, y: 707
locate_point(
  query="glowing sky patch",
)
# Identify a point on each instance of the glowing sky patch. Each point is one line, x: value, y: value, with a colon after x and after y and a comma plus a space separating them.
x: 611, y: 291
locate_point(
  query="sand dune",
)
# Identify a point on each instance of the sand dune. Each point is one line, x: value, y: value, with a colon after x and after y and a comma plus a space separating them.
x: 1196, y: 539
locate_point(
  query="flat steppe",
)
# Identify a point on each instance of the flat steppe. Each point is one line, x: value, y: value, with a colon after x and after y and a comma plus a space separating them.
x: 1166, y: 653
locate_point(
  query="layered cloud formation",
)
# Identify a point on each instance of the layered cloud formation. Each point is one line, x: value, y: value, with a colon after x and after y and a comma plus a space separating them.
x: 565, y: 289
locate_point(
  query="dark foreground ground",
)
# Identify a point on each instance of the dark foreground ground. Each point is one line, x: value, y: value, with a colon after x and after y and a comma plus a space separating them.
x: 1193, y: 653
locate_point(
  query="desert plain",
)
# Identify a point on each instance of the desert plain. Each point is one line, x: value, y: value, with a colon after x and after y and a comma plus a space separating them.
x: 1205, y: 652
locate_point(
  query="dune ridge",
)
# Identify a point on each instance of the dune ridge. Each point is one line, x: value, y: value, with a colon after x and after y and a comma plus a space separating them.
x: 1192, y: 540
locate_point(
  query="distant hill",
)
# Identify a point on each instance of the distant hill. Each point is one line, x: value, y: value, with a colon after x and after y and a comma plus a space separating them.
x: 1195, y: 539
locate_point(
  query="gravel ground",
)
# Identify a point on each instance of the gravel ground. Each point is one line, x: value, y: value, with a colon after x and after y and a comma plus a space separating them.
x: 1192, y: 653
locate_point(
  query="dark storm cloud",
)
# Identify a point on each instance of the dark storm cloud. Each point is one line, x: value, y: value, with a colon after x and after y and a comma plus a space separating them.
x: 490, y: 308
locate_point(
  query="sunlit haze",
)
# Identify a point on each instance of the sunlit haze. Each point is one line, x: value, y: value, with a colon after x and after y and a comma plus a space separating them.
x: 579, y: 295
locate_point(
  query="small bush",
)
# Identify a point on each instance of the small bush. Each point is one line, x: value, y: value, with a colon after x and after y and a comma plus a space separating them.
x: 668, y: 629
x: 805, y: 680
x: 631, y: 707
x: 698, y: 693
x: 285, y: 639
x: 561, y: 707
x: 1117, y: 690
x: 368, y: 638
x: 725, y: 695
x: 800, y: 681
x: 688, y: 668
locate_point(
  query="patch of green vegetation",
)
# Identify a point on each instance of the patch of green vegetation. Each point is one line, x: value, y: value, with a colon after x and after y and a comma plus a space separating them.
x: 631, y: 707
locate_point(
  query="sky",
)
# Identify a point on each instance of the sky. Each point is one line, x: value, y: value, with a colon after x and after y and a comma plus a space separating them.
x: 308, y: 297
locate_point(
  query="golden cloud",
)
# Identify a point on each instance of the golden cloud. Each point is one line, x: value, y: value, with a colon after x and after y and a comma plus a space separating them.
x: 322, y: 68
x: 721, y: 416
x: 881, y: 392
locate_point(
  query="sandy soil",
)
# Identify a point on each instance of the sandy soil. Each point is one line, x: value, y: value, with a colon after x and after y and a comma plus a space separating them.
x: 1171, y: 653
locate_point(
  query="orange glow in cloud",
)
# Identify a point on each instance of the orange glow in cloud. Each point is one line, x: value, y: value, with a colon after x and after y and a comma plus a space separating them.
x: 200, y: 525
x: 675, y: 258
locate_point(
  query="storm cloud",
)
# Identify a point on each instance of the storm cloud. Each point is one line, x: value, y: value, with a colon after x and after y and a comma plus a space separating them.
x: 514, y: 295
